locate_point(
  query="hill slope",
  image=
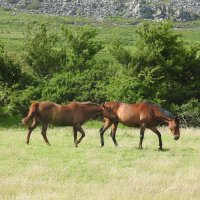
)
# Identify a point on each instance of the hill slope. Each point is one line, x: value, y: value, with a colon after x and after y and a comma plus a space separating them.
x: 179, y: 10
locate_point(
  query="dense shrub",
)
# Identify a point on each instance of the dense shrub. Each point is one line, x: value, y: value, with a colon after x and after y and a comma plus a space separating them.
x: 163, y: 67
x: 90, y: 85
x: 42, y: 53
x: 81, y: 47
x: 63, y: 68
x: 10, y: 71
x: 20, y: 100
x: 189, y: 113
x: 64, y: 73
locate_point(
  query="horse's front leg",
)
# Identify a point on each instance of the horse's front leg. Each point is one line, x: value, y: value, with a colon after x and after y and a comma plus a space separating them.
x: 113, y: 132
x: 79, y: 128
x: 142, y: 129
x: 102, y: 130
x: 44, y: 133
x: 75, y: 136
x: 155, y: 130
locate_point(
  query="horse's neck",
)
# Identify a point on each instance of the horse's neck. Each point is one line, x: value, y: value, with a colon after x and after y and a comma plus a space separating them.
x: 165, y: 115
x: 92, y: 109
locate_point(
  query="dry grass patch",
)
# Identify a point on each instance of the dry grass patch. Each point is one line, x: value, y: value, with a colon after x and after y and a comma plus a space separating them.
x: 62, y: 171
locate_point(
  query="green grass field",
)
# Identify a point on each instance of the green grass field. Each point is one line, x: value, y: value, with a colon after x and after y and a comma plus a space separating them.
x: 13, y: 26
x: 62, y: 171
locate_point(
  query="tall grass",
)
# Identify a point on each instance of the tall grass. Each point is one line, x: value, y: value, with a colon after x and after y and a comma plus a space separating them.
x: 62, y: 171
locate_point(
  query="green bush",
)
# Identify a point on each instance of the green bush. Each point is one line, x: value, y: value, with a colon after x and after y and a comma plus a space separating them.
x: 63, y: 68
x: 189, y: 113
x: 81, y: 48
x: 90, y: 85
x: 20, y: 100
x: 162, y: 67
x: 42, y: 53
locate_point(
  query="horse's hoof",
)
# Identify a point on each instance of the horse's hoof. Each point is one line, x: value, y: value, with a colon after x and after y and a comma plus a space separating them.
x: 100, y: 146
x: 76, y: 144
x: 116, y: 144
x: 160, y: 149
x: 140, y: 148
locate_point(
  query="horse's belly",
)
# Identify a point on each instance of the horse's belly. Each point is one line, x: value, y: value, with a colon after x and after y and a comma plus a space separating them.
x: 56, y: 123
x: 130, y: 123
x: 129, y: 120
x: 61, y: 122
x: 128, y: 116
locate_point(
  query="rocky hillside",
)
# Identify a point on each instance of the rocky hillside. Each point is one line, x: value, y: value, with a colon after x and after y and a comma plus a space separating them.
x: 179, y: 10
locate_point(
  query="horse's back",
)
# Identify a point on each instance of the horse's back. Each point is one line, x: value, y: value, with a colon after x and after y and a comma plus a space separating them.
x: 49, y: 112
x: 125, y: 112
x: 47, y: 108
x: 66, y: 115
x: 134, y: 114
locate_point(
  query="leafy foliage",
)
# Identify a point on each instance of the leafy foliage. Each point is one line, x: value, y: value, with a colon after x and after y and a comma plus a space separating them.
x: 43, y: 55
x: 162, y: 65
x: 189, y: 113
x: 160, y: 68
x: 81, y: 48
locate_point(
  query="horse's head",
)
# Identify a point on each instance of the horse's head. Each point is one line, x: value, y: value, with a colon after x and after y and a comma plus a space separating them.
x: 109, y: 113
x: 174, y: 127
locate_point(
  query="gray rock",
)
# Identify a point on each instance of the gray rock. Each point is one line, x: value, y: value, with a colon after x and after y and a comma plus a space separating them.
x: 179, y: 10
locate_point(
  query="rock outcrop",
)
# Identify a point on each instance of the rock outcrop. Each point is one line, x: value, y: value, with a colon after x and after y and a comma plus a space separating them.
x: 178, y: 10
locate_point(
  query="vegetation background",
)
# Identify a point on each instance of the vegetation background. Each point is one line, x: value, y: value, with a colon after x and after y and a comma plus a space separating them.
x: 63, y: 59
x: 51, y: 58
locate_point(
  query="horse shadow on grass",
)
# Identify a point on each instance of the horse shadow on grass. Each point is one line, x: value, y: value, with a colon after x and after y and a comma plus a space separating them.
x: 147, y: 149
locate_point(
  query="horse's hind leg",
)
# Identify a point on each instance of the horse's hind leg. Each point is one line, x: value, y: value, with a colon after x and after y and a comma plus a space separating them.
x: 155, y: 130
x: 102, y: 130
x: 30, y: 129
x: 44, y: 133
x: 79, y: 128
x: 113, y: 133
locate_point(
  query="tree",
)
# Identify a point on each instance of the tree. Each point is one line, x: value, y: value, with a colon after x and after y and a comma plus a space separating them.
x: 81, y: 48
x: 162, y: 65
x: 43, y: 55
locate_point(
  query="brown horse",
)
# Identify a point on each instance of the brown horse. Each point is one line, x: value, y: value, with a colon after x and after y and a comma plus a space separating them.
x: 73, y: 114
x: 144, y: 114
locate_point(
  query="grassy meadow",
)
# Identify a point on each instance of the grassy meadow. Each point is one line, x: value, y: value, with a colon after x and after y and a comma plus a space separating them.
x: 88, y: 172
x: 13, y: 27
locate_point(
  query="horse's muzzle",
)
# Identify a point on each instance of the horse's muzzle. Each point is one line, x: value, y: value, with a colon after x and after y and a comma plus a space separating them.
x: 176, y: 137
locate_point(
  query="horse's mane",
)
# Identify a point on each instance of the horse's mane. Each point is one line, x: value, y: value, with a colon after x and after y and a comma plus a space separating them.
x: 166, y: 112
x: 162, y: 110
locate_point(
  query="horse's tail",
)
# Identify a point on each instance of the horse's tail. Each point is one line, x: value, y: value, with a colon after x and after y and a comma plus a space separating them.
x: 31, y: 114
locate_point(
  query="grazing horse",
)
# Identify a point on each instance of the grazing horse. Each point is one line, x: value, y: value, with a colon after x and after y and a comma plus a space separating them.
x: 144, y: 114
x: 73, y: 114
